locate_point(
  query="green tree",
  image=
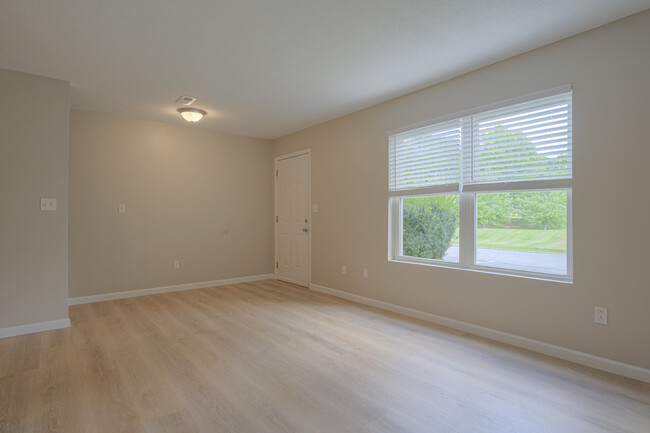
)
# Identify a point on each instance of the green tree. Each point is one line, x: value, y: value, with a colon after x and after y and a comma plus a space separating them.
x: 545, y: 209
x: 494, y: 209
x: 429, y: 225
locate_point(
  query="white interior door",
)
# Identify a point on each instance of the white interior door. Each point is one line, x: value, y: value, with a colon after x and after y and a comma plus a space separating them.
x: 292, y: 218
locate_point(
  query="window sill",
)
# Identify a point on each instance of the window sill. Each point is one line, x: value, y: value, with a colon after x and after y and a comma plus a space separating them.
x: 568, y: 279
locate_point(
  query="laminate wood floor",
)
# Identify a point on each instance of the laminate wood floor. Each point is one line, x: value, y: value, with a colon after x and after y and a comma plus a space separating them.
x: 272, y: 357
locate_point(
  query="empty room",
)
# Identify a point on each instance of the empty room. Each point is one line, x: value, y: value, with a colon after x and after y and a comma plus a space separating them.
x: 309, y: 216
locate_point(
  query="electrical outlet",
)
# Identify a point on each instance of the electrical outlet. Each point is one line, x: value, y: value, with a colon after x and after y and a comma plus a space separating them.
x: 344, y: 269
x: 177, y: 264
x: 600, y: 315
x: 48, y: 204
x: 365, y: 272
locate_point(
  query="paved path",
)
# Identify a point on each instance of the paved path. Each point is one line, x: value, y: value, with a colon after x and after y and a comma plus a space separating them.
x: 534, y: 262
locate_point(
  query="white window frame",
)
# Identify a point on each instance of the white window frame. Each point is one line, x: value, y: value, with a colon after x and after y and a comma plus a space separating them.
x: 467, y: 209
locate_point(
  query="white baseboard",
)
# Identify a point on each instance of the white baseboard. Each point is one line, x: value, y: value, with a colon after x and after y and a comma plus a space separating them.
x: 31, y: 328
x: 627, y: 370
x: 166, y: 289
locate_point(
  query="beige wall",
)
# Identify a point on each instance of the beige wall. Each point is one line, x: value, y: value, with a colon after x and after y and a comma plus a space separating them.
x: 182, y: 186
x: 609, y: 68
x: 33, y: 165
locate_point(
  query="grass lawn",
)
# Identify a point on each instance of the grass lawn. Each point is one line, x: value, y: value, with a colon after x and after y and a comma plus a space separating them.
x: 540, y: 241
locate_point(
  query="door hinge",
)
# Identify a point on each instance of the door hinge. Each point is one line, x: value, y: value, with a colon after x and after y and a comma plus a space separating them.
x: 276, y: 265
x: 276, y: 173
x: 276, y: 218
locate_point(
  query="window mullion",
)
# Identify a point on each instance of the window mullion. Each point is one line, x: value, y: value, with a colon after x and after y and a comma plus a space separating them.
x: 395, y: 223
x: 467, y: 228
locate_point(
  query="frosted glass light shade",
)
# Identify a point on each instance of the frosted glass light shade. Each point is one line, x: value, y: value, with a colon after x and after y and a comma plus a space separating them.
x: 192, y: 114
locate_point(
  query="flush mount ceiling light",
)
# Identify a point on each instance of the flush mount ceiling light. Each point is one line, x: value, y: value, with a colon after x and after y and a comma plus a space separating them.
x: 192, y: 114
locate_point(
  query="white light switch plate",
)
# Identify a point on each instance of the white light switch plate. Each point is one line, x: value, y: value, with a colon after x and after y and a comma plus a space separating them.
x: 48, y: 204
x: 121, y: 208
x: 314, y: 208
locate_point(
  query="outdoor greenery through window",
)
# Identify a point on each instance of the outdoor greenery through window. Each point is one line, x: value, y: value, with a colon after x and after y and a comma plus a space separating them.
x: 430, y: 227
x: 491, y: 189
x: 522, y: 230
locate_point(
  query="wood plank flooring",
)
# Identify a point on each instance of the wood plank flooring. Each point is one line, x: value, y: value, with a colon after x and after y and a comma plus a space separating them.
x: 272, y: 357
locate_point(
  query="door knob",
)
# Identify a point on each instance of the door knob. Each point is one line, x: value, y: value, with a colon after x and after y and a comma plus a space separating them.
x: 305, y: 230
x: 306, y: 220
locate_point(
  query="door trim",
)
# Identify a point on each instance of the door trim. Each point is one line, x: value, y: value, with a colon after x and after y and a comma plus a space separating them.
x: 275, y: 213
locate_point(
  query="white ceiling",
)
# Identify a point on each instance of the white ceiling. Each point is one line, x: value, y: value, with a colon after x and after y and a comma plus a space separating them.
x: 265, y: 68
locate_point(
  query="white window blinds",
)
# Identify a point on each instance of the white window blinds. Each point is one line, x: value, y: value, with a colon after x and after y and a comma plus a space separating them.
x: 529, y: 141
x: 425, y: 157
x: 524, y: 142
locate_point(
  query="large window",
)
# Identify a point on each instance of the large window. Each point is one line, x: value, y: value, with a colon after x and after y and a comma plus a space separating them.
x: 489, y: 190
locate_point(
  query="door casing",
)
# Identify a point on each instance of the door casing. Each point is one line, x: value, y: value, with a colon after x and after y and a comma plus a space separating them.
x: 275, y: 212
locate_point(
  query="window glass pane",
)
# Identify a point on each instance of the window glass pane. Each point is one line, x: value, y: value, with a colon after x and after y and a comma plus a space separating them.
x: 523, y: 231
x: 430, y: 227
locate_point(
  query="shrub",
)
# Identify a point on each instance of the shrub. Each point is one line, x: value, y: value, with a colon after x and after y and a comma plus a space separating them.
x: 429, y: 225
